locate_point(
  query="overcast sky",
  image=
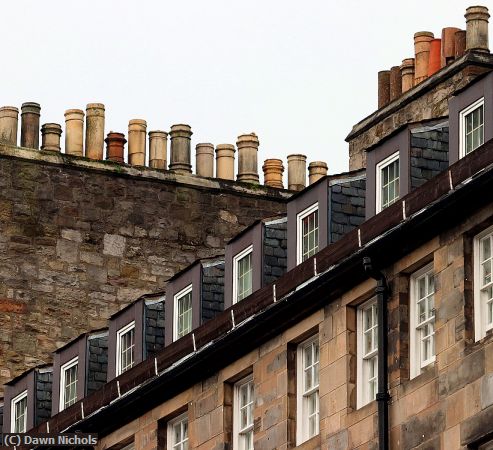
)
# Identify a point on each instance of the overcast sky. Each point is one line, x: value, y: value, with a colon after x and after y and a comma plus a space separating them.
x: 299, y: 74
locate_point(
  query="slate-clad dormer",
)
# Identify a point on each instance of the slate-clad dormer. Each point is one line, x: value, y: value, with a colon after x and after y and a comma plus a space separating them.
x: 27, y: 400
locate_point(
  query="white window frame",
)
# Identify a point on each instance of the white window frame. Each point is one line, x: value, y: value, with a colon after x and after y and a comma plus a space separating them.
x: 236, y: 412
x: 236, y: 260
x: 480, y: 314
x: 170, y: 436
x: 13, y: 402
x: 119, y: 335
x: 302, y: 415
x: 462, y: 121
x: 299, y: 230
x: 177, y: 297
x: 362, y: 391
x: 63, y: 369
x: 378, y: 179
x: 416, y: 361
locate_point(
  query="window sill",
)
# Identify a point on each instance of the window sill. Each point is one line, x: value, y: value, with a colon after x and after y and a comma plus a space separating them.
x: 313, y: 443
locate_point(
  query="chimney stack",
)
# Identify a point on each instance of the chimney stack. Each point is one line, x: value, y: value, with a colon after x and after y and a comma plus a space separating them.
x: 50, y: 133
x: 115, y: 143
x: 460, y: 43
x: 158, y: 144
x: 395, y: 83
x: 30, y: 113
x: 296, y: 172
x: 204, y: 159
x: 422, y: 41
x: 435, y: 63
x: 316, y: 170
x: 74, y: 132
x: 247, y: 158
x: 407, y: 74
x: 94, y: 130
x: 448, y: 45
x: 273, y: 170
x: 180, y: 149
x: 9, y: 117
x: 225, y: 161
x: 137, y: 142
x: 477, y: 28
x: 383, y: 88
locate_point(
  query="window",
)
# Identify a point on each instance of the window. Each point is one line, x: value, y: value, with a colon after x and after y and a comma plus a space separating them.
x: 387, y: 176
x: 308, y: 408
x: 125, y: 348
x: 307, y: 233
x: 68, y: 383
x: 18, y: 413
x: 471, y: 126
x: 178, y: 433
x: 243, y: 415
x: 183, y: 313
x: 367, y: 370
x: 422, y: 319
x: 483, y: 283
x: 242, y: 274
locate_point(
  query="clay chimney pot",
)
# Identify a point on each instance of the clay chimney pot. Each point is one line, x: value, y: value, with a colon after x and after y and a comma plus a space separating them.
x: 115, y: 143
x: 74, y: 132
x: 158, y: 144
x: 448, y: 45
x: 137, y: 142
x: 225, y: 161
x: 30, y: 114
x: 395, y: 83
x: 9, y: 118
x: 407, y: 74
x: 296, y: 172
x: 50, y: 134
x: 460, y: 43
x: 94, y: 130
x: 316, y: 170
x: 422, y: 41
x: 435, y: 62
x: 477, y: 28
x: 247, y: 158
x: 180, y: 155
x: 273, y: 170
x: 204, y: 159
x: 383, y: 88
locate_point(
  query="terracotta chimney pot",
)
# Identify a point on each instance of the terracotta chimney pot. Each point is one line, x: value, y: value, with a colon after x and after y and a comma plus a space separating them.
x: 247, y: 158
x: 204, y: 159
x: 158, y: 144
x: 448, y: 45
x: 477, y: 28
x: 74, y: 132
x: 422, y: 41
x: 395, y: 83
x: 383, y: 88
x: 94, y: 130
x: 296, y: 172
x: 317, y: 170
x: 137, y: 142
x: 30, y: 113
x: 9, y: 119
x: 180, y: 157
x: 115, y: 143
x: 460, y: 43
x: 50, y: 134
x: 273, y: 170
x: 435, y: 62
x: 225, y: 161
x: 407, y: 74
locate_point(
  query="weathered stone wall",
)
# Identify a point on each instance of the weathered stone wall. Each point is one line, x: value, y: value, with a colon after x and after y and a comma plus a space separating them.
x: 212, y: 291
x: 275, y: 251
x: 44, y: 382
x: 80, y: 239
x: 97, y: 371
x: 154, y: 328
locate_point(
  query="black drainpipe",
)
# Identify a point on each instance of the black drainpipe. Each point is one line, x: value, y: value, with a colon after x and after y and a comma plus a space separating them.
x: 383, y: 396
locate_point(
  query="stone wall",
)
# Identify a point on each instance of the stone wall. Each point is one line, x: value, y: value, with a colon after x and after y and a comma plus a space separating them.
x: 80, y: 239
x: 275, y: 251
x: 154, y: 328
x: 97, y: 370
x: 44, y: 382
x: 212, y: 301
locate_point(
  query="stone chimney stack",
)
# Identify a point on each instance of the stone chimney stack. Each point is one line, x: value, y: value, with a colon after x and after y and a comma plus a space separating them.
x: 74, y: 132
x: 51, y: 133
x: 383, y: 88
x: 94, y: 130
x: 273, y: 170
x: 477, y: 28
x: 407, y: 74
x: 180, y: 149
x: 247, y: 158
x: 225, y: 161
x: 317, y: 170
x: 296, y: 172
x: 30, y: 113
x: 115, y: 143
x: 422, y: 40
x: 204, y: 159
x: 137, y: 142
x: 158, y: 144
x: 9, y: 117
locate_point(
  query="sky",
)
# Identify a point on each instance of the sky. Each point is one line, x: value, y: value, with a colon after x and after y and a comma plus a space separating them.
x: 298, y: 74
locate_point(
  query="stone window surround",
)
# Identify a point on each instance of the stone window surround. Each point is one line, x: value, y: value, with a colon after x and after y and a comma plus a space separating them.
x: 236, y: 412
x: 170, y: 432
x: 27, y: 383
x: 236, y: 260
x: 63, y: 369
x: 119, y: 334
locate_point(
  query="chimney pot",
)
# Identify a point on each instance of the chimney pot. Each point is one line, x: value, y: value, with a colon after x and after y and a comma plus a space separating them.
x: 204, y: 159
x: 460, y: 43
x: 247, y: 158
x: 448, y: 45
x: 383, y: 88
x: 225, y: 161
x: 477, y: 28
x: 395, y: 83
x: 181, y: 135
x: 115, y: 143
x: 74, y: 132
x: 158, y: 144
x: 273, y: 170
x: 30, y: 113
x: 422, y: 41
x: 435, y: 62
x: 9, y: 118
x: 50, y: 134
x: 94, y: 130
x: 316, y: 170
x: 407, y: 74
x: 137, y: 142
x: 296, y: 172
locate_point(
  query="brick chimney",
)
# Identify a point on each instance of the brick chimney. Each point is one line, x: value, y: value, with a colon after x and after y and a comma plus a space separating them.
x: 317, y: 170
x: 158, y: 145
x: 296, y: 172
x: 477, y: 28
x: 273, y: 170
x: 9, y: 118
x: 225, y: 161
x: 94, y: 130
x: 30, y: 113
x: 204, y: 159
x: 74, y: 132
x: 50, y: 133
x: 137, y: 142
x: 181, y: 135
x: 115, y: 143
x: 422, y: 40
x: 247, y: 158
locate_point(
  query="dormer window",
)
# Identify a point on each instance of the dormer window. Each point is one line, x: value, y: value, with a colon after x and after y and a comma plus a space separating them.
x: 242, y: 274
x: 125, y: 348
x: 387, y: 186
x: 183, y: 313
x: 307, y: 233
x: 68, y: 383
x: 471, y: 124
x: 19, y: 415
